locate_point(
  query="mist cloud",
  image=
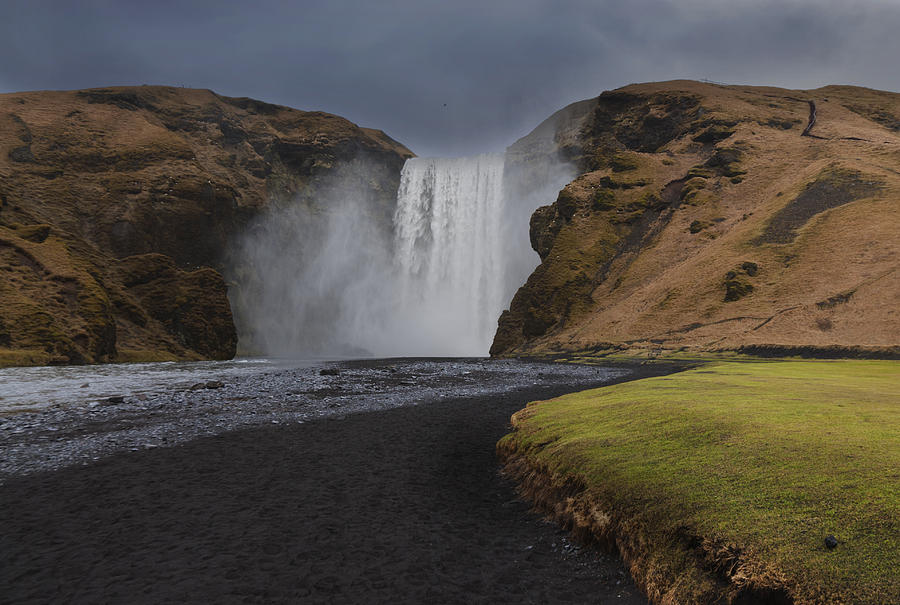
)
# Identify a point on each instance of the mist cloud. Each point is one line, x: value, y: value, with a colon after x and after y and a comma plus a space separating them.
x: 327, y: 279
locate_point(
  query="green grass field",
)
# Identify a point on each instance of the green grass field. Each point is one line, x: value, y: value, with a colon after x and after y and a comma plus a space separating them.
x: 759, y: 459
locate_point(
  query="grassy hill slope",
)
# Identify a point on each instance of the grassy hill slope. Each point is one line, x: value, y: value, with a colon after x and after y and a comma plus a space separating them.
x: 119, y: 206
x: 704, y: 221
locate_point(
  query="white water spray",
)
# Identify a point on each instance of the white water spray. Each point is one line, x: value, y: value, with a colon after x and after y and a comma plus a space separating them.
x: 448, y: 252
x: 330, y: 283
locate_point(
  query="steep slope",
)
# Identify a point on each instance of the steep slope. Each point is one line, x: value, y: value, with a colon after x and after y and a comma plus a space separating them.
x: 703, y: 220
x: 118, y: 209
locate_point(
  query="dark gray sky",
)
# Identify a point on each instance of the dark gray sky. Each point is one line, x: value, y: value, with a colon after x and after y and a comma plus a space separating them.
x: 450, y: 77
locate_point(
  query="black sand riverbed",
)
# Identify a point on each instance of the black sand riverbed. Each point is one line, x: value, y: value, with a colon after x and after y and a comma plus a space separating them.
x: 400, y: 505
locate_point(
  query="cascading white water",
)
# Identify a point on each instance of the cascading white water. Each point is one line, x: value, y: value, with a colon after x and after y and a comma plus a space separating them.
x: 448, y: 249
x: 332, y: 279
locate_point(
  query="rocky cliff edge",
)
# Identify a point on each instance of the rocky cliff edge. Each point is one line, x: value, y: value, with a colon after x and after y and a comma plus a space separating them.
x: 704, y: 220
x: 118, y: 208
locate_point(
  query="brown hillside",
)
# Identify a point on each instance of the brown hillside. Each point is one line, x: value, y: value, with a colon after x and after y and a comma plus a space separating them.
x: 703, y: 220
x: 118, y: 207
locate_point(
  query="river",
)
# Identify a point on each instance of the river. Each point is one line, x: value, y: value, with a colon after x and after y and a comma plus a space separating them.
x: 259, y: 481
x: 53, y: 417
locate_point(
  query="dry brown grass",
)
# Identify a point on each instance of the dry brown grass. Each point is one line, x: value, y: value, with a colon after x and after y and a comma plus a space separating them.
x: 126, y: 171
x: 664, y: 285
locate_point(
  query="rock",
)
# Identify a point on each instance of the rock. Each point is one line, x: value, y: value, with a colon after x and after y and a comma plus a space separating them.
x: 191, y: 306
x: 115, y: 399
x: 630, y: 250
x: 214, y: 384
x: 698, y: 226
x: 329, y: 372
x: 736, y: 288
x: 21, y: 154
x: 736, y: 284
x: 750, y: 268
x: 142, y: 193
x: 831, y: 542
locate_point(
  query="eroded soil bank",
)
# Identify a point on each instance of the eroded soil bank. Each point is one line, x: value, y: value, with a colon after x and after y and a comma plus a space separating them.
x: 751, y: 482
x: 710, y: 573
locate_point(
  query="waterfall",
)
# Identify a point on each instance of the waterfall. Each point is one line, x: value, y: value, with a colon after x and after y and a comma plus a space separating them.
x: 335, y: 278
x: 448, y: 249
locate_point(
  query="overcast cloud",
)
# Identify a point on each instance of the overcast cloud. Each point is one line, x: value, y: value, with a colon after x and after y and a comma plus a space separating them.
x: 445, y: 78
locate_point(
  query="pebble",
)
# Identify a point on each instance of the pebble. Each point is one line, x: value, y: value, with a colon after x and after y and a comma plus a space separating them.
x: 89, y: 430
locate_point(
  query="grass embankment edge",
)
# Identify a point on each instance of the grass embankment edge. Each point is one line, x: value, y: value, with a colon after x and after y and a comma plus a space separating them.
x: 719, y: 484
x: 627, y: 354
x: 10, y: 358
x: 25, y: 358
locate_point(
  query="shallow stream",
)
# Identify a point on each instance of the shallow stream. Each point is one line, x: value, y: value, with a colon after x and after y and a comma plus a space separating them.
x: 52, y: 417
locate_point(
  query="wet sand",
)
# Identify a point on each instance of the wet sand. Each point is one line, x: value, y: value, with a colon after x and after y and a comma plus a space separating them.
x: 400, y: 505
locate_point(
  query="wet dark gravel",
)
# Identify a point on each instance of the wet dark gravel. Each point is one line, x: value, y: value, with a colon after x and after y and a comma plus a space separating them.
x: 376, y: 485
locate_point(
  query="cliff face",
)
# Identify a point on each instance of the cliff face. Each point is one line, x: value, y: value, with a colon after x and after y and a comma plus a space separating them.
x: 119, y: 207
x: 703, y: 220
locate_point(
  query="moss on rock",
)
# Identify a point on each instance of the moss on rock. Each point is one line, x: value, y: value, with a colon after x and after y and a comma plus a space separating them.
x: 698, y: 226
x: 726, y: 162
x: 119, y: 206
x: 737, y: 282
x: 658, y: 207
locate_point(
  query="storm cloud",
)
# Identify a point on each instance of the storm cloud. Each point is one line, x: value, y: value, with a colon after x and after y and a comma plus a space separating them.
x: 445, y: 78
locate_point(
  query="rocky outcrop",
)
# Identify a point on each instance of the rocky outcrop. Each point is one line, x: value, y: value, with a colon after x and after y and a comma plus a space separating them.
x: 119, y: 208
x: 702, y: 220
